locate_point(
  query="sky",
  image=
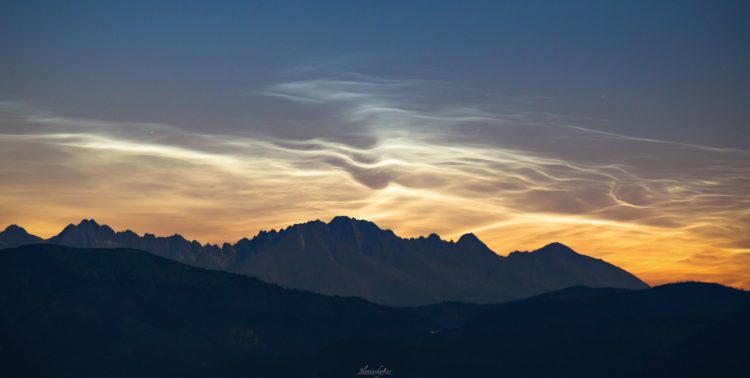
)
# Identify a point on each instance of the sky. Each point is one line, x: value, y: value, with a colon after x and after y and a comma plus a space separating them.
x: 619, y: 128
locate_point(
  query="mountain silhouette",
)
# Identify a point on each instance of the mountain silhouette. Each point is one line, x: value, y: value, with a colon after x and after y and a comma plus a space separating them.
x: 87, y: 312
x: 676, y: 330
x: 14, y: 236
x: 351, y: 257
x: 355, y: 257
x: 128, y: 313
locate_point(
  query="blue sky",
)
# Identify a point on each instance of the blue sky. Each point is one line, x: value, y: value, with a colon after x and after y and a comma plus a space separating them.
x: 673, y: 70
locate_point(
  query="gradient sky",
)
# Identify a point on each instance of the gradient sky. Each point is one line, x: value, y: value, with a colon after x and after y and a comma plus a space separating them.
x: 619, y: 128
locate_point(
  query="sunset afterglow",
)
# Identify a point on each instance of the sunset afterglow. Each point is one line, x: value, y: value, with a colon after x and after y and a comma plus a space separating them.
x: 416, y: 148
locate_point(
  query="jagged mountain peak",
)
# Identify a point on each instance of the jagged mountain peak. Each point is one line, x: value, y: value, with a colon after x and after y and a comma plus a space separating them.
x: 90, y: 222
x: 342, y: 222
x: 87, y: 233
x: 92, y: 225
x: 87, y: 224
x: 342, y: 219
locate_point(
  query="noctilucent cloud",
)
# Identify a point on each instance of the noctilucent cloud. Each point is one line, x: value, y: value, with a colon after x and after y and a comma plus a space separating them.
x: 619, y: 128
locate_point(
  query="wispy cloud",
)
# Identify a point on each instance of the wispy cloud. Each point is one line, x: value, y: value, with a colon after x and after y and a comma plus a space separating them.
x: 417, y: 156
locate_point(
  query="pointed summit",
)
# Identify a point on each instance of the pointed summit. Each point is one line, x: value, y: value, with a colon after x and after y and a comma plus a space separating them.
x: 15, y: 229
x: 14, y: 236
x: 556, y: 248
x: 434, y: 237
x: 470, y: 239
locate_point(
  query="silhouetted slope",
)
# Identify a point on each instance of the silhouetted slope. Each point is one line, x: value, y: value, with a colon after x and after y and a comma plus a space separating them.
x: 557, y: 266
x: 351, y: 257
x: 678, y: 330
x: 122, y: 313
x: 449, y: 315
x: 114, y: 312
x: 14, y: 236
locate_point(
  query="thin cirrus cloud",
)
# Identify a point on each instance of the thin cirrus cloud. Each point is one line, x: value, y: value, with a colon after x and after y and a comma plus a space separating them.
x: 415, y: 156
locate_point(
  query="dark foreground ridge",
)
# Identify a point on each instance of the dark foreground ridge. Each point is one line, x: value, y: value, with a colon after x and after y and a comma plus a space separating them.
x: 351, y: 257
x: 126, y: 313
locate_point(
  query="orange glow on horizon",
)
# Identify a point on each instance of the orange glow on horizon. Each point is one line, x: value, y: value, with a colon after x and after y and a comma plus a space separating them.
x: 656, y: 256
x: 661, y: 210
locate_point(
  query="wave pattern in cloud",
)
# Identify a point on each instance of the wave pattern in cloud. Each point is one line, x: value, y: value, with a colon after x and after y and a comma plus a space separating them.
x: 415, y: 156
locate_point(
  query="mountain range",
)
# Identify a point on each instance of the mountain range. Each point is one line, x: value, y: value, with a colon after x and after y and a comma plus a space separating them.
x: 86, y: 312
x: 352, y: 257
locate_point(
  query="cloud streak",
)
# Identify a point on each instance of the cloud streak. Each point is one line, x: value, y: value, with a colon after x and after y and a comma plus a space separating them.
x: 416, y: 156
